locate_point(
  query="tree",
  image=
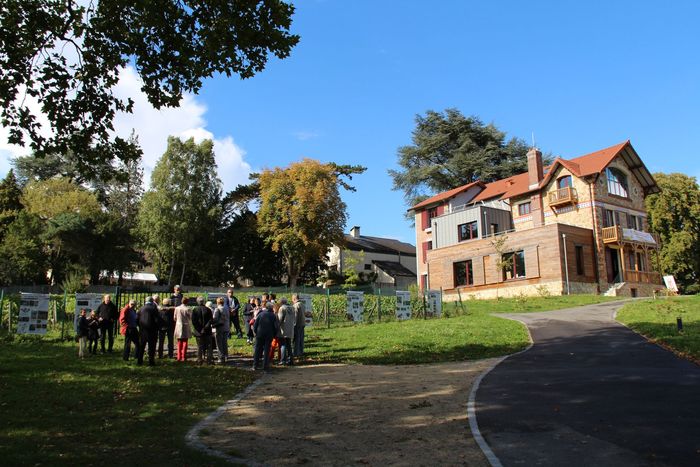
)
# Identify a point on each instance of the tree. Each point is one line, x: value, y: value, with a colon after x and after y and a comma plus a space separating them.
x: 674, y: 214
x: 180, y: 212
x: 67, y: 57
x: 450, y: 150
x: 301, y: 213
x: 22, y: 256
x: 10, y: 202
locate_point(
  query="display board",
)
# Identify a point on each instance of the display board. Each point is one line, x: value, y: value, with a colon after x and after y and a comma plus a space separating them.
x: 403, y: 304
x: 356, y: 304
x: 33, y: 313
x: 670, y: 283
x: 434, y: 298
x: 308, y: 308
x: 91, y: 301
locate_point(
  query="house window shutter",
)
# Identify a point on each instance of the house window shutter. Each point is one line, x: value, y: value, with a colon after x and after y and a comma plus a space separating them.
x: 441, y: 210
x: 424, y: 219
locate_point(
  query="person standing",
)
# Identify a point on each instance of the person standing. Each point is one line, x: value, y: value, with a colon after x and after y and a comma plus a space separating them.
x: 201, y: 324
x: 265, y: 329
x: 300, y: 317
x: 285, y: 314
x: 128, y: 320
x: 176, y: 297
x: 149, y: 322
x: 167, y: 326
x: 107, y: 315
x: 232, y: 307
x: 182, y: 317
x: 247, y: 317
x: 220, y: 329
x: 93, y: 332
x: 82, y: 333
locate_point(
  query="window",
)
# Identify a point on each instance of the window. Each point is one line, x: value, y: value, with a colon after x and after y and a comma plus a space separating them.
x: 494, y: 229
x: 579, y: 260
x: 516, y: 267
x: 463, y: 274
x: 432, y: 212
x: 611, y: 218
x: 635, y: 222
x: 617, y: 182
x: 368, y: 267
x: 467, y: 231
x: 565, y: 182
x: 523, y: 208
x: 426, y: 246
x: 424, y: 282
x: 641, y: 265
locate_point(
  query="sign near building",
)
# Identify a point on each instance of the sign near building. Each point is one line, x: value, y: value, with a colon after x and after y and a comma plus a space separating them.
x: 33, y: 313
x: 434, y: 298
x: 89, y: 301
x: 670, y: 282
x: 308, y: 308
x: 403, y: 304
x: 356, y: 303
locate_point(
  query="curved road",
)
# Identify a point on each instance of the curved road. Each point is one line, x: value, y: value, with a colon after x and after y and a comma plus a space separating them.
x: 590, y: 392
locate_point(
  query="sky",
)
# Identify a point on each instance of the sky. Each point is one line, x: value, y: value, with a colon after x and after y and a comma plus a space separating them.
x: 580, y: 76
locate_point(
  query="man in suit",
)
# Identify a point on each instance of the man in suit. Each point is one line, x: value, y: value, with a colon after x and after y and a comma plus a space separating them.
x: 149, y: 323
x: 202, y: 318
x: 107, y: 314
x: 231, y: 306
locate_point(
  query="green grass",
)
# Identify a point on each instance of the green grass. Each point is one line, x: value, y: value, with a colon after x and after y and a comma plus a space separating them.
x: 528, y: 304
x: 656, y: 319
x: 59, y: 410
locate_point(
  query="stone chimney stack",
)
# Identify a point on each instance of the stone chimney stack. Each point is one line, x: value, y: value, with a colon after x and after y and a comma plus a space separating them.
x: 535, y: 170
x: 355, y: 232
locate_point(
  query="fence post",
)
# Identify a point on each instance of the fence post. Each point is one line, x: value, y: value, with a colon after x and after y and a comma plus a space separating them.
x: 425, y: 307
x: 63, y: 318
x: 328, y: 308
x: 379, y: 306
x: 2, y: 304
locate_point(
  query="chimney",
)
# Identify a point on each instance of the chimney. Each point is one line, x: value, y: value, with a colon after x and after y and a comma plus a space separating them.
x: 355, y: 232
x: 534, y: 167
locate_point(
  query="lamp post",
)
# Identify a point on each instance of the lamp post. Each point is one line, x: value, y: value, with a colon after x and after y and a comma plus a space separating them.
x: 566, y: 267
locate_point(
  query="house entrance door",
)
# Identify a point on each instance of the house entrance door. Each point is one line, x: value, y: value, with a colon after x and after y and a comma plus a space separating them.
x: 612, y: 264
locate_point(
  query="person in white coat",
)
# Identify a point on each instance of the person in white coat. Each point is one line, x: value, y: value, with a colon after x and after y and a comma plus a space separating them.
x: 183, y: 330
x: 287, y: 319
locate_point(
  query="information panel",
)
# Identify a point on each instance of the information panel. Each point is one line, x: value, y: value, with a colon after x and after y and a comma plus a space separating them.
x: 308, y: 309
x: 356, y: 304
x: 403, y: 304
x: 33, y: 313
x: 434, y: 298
x: 90, y: 301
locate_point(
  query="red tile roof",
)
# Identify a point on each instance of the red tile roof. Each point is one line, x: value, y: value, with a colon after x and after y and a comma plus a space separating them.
x: 445, y: 195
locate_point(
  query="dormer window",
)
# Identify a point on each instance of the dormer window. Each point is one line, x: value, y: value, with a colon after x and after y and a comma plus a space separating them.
x: 617, y: 182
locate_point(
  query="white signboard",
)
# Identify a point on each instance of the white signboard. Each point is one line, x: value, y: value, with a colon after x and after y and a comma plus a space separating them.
x: 308, y: 309
x: 356, y: 304
x: 85, y: 300
x: 33, y: 313
x: 670, y: 282
x: 403, y: 304
x: 435, y: 302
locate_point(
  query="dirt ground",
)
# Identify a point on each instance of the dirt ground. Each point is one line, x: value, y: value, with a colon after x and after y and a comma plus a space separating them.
x: 334, y: 415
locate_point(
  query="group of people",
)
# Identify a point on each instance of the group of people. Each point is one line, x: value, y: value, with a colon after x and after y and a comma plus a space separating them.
x: 266, y: 320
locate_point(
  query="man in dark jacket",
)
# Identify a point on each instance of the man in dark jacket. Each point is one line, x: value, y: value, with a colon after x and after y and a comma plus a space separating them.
x: 176, y: 297
x: 265, y: 329
x: 107, y: 315
x: 128, y: 319
x: 167, y: 327
x: 202, y: 318
x: 149, y: 322
x: 232, y: 306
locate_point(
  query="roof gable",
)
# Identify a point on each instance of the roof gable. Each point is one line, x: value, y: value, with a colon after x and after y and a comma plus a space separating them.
x: 445, y: 195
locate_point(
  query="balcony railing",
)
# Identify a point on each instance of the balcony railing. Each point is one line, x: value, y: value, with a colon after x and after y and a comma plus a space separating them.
x: 612, y: 234
x: 617, y: 234
x: 562, y: 196
x: 643, y: 277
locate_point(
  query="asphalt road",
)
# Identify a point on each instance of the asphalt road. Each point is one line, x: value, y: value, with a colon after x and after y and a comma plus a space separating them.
x: 590, y: 392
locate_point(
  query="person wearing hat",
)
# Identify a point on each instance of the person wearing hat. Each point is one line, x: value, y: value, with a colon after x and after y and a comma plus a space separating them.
x: 128, y: 321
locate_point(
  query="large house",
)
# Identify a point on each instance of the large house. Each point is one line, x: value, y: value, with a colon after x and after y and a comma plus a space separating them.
x: 577, y: 226
x: 393, y: 262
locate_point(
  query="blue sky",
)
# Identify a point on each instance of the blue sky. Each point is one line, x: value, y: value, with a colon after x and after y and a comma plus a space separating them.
x: 580, y: 75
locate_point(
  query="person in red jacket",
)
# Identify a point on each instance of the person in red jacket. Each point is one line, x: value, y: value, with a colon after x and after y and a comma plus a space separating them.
x: 128, y: 321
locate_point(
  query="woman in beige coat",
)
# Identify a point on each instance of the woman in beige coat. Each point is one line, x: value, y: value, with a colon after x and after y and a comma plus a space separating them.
x: 183, y: 317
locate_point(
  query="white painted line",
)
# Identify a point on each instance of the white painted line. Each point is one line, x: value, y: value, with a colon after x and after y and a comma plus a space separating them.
x: 471, y: 405
x: 192, y: 436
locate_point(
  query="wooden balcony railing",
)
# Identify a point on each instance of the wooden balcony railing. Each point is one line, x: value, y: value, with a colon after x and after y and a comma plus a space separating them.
x: 562, y: 196
x: 643, y: 277
x: 612, y: 234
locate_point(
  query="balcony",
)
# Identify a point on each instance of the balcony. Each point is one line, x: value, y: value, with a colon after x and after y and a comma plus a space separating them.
x: 612, y: 234
x: 617, y: 234
x: 563, y: 196
x: 643, y: 277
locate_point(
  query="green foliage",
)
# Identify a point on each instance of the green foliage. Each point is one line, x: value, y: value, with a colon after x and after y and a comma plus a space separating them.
x: 674, y: 214
x: 301, y: 213
x: 22, y: 257
x: 180, y: 212
x: 449, y: 150
x: 68, y: 56
x: 10, y: 201
x: 656, y: 319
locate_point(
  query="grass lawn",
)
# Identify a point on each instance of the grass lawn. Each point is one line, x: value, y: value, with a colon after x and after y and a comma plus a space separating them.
x: 59, y: 410
x: 656, y: 319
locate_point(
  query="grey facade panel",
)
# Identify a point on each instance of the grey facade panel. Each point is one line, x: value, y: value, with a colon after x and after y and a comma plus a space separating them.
x: 445, y: 228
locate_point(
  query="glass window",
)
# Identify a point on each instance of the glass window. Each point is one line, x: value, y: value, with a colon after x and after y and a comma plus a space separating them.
x: 467, y: 231
x: 516, y: 268
x: 463, y: 274
x: 368, y: 267
x: 523, y: 208
x: 617, y: 182
x: 564, y: 182
x: 579, y: 260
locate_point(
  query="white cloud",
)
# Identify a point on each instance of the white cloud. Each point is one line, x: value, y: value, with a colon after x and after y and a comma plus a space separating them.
x: 305, y: 135
x: 153, y: 128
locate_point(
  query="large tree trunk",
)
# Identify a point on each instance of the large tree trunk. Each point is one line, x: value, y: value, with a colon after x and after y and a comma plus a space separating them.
x: 293, y: 271
x: 184, y: 265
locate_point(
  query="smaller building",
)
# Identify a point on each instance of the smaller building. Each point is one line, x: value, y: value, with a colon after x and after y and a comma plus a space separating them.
x: 393, y: 262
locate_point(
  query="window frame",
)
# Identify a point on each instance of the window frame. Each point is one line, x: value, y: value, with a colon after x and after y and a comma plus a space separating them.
x: 515, y: 273
x: 472, y: 230
x: 565, y: 177
x: 468, y: 267
x: 580, y: 267
x: 618, y: 182
x: 521, y: 208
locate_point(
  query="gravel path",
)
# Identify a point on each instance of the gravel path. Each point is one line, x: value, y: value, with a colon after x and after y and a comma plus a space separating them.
x: 335, y: 415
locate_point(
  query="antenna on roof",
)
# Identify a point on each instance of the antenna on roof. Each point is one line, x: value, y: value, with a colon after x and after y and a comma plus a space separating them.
x: 533, y: 140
